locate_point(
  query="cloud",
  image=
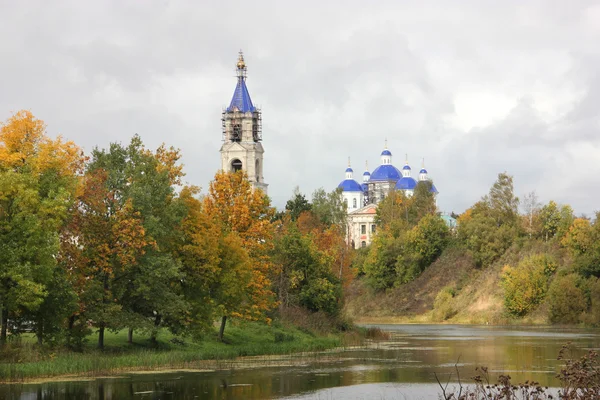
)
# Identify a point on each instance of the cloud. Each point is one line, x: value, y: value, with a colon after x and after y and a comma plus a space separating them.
x: 475, y: 88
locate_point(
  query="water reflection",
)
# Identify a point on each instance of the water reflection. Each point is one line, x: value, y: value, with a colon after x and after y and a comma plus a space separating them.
x: 402, y: 367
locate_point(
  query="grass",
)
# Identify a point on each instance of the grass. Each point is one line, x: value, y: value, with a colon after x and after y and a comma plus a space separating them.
x: 27, y: 362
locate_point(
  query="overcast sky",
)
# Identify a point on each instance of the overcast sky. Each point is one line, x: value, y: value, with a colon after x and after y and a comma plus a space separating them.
x: 475, y: 87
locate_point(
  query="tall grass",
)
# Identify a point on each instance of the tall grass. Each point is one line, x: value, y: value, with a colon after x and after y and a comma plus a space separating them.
x: 26, y: 361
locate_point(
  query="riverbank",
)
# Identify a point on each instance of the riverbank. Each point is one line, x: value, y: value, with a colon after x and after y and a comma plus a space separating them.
x: 25, y: 362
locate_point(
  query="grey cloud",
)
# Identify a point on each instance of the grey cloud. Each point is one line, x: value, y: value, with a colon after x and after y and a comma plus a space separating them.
x: 334, y: 80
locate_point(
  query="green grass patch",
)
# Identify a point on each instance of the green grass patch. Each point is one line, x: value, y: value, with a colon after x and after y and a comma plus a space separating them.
x: 26, y: 361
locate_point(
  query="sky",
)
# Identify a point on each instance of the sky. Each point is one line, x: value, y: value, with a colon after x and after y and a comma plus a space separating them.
x: 473, y: 87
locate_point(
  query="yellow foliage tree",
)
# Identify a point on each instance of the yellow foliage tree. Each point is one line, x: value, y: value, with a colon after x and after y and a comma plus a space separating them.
x: 246, y: 213
x: 38, y: 182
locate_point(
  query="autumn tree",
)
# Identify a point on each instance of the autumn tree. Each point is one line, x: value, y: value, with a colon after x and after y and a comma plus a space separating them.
x: 244, y: 213
x: 121, y: 239
x: 38, y: 181
x: 583, y: 241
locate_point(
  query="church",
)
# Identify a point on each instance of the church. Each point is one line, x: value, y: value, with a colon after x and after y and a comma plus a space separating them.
x: 362, y: 199
x: 242, y: 149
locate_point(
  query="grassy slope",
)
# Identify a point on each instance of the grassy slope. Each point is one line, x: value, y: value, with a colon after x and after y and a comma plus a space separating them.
x: 243, y: 339
x: 478, y: 299
x: 412, y: 301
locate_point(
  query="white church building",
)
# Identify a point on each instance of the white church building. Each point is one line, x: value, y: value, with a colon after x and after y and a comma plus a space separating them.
x: 362, y: 199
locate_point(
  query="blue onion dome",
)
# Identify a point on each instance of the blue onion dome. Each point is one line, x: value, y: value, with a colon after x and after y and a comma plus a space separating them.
x: 406, y: 167
x: 349, y: 169
x: 423, y: 171
x: 406, y: 183
x: 386, y: 152
x: 350, y: 185
x: 386, y: 172
x: 366, y: 173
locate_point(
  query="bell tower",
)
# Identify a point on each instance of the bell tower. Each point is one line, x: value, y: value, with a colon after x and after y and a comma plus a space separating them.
x: 242, y: 133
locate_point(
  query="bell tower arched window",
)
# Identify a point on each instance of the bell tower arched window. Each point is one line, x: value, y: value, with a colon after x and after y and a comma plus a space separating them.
x: 236, y: 165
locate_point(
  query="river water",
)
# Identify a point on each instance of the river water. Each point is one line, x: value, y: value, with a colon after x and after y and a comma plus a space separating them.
x: 403, y: 367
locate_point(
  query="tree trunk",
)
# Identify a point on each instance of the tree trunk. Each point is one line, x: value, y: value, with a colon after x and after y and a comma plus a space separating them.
x: 4, y: 326
x: 130, y: 336
x: 101, y: 337
x: 153, y: 340
x: 222, y: 329
x: 39, y: 332
x: 70, y: 330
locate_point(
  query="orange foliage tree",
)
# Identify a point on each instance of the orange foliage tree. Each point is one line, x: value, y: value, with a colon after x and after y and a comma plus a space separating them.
x: 244, y: 213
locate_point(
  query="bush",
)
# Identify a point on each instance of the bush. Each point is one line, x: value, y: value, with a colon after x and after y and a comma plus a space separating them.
x: 321, y: 295
x: 566, y: 300
x: 442, y: 306
x: 526, y: 285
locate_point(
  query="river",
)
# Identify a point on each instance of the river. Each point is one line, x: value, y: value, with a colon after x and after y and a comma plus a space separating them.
x: 403, y: 367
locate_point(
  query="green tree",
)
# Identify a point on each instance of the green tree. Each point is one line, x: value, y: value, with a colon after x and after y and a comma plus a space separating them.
x: 125, y: 225
x: 297, y: 205
x: 305, y: 273
x: 423, y: 244
x: 380, y: 264
x: 330, y: 208
x: 489, y: 227
x: 504, y: 206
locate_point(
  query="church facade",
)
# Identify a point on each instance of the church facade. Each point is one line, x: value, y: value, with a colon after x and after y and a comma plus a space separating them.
x: 242, y: 147
x: 362, y: 199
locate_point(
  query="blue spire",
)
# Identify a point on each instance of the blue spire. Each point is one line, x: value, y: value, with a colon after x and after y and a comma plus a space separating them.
x: 241, y: 98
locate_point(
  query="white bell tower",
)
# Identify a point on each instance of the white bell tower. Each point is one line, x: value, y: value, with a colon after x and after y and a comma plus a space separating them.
x: 242, y: 133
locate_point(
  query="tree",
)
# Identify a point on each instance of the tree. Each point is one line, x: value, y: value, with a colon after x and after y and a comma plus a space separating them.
x: 424, y: 244
x: 330, y: 208
x: 200, y: 257
x: 303, y: 272
x: 395, y: 213
x: 531, y: 207
x: 489, y: 227
x: 122, y: 239
x: 246, y: 213
x: 38, y: 181
x: 550, y: 220
x: 583, y: 241
x: 297, y: 205
x: 503, y: 203
x: 423, y: 201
